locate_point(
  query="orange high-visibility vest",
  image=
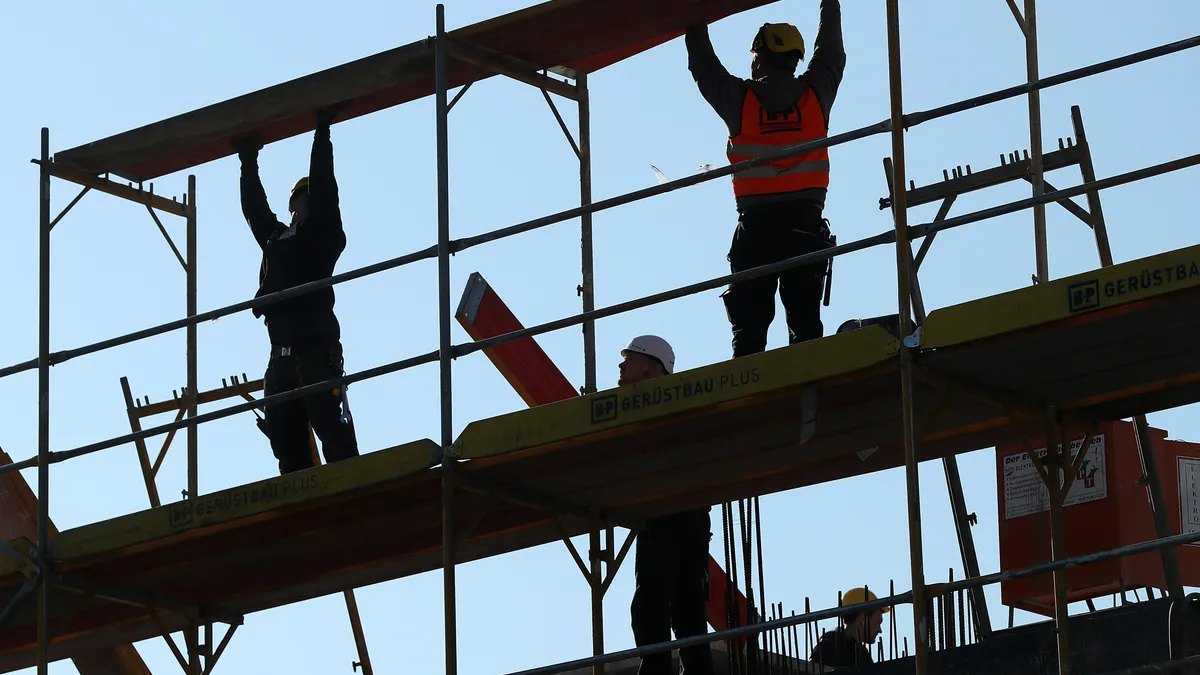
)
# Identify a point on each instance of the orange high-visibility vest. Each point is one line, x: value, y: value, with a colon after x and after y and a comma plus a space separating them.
x: 764, y: 132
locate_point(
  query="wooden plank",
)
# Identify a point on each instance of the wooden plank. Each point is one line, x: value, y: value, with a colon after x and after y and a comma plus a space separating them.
x: 585, y: 35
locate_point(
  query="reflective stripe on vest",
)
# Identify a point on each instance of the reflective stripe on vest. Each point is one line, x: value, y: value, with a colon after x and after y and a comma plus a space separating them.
x: 764, y: 133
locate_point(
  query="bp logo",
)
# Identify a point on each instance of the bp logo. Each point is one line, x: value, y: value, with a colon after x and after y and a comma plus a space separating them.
x: 604, y: 409
x: 1083, y: 296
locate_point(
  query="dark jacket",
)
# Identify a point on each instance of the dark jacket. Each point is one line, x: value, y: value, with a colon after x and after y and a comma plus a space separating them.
x: 304, y: 252
x: 727, y: 94
x: 836, y: 649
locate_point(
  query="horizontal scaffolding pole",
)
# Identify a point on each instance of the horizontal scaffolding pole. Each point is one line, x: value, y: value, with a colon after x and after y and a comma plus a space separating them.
x: 319, y: 387
x: 910, y: 120
x: 1012, y: 207
x: 883, y: 238
x: 1074, y: 561
x: 134, y: 194
x: 891, y: 601
x: 721, y: 636
x: 59, y: 357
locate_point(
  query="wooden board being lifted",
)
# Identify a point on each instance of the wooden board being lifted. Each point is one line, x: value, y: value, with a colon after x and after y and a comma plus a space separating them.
x: 584, y: 35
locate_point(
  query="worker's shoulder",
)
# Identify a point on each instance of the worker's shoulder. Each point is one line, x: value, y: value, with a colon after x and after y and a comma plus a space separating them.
x: 778, y: 92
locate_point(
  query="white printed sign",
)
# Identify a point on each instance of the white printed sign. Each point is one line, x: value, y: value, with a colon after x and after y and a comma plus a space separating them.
x: 1189, y: 494
x: 1025, y: 493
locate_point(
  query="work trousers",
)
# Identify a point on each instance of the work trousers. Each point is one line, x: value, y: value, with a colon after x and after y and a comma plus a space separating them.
x: 671, y: 571
x: 287, y: 423
x: 767, y: 234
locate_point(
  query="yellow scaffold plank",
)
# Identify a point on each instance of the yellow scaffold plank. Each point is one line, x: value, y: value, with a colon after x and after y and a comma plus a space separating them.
x: 683, y: 392
x: 1063, y: 298
x: 254, y: 499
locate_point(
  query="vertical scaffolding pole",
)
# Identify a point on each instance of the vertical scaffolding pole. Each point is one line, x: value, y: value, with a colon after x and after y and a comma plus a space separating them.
x: 588, y: 289
x: 1035, y: 141
x: 193, y: 432
x: 904, y: 288
x: 193, y: 438
x: 444, y: 362
x: 43, y: 524
x: 597, y: 583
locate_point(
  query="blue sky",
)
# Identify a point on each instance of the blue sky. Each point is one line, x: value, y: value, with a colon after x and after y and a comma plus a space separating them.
x: 87, y: 71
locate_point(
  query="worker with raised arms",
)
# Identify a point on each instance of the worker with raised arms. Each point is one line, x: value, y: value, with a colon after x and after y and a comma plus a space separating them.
x: 779, y: 204
x: 671, y: 561
x: 305, y: 335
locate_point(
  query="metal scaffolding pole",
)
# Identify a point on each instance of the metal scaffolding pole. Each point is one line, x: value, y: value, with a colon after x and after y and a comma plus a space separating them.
x: 1035, y: 140
x: 43, y: 524
x: 445, y: 347
x: 193, y: 438
x: 588, y: 289
x: 193, y: 432
x: 596, y: 581
x: 904, y: 288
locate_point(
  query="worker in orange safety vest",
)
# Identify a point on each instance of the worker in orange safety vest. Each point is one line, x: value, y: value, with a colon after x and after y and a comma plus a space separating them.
x: 780, y: 205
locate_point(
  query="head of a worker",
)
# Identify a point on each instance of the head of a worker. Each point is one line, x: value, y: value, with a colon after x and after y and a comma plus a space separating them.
x: 645, y: 357
x: 298, y: 200
x: 863, y: 626
x: 778, y: 48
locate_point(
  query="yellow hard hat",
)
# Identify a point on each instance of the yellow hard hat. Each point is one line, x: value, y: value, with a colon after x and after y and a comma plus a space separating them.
x: 301, y: 184
x: 779, y: 38
x: 857, y: 595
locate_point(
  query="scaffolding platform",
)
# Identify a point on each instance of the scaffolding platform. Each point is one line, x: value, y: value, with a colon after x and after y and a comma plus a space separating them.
x: 1101, y: 345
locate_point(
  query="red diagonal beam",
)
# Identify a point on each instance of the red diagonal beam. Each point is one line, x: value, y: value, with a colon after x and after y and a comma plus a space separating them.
x: 482, y: 314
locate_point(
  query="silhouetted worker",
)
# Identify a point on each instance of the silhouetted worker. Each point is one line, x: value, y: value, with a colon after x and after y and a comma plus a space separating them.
x: 849, y: 645
x: 671, y: 562
x: 305, y: 335
x: 779, y: 204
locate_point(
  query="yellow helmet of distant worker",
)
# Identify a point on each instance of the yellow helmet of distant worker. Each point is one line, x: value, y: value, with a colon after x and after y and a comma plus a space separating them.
x: 301, y: 184
x: 857, y: 595
x: 779, y: 38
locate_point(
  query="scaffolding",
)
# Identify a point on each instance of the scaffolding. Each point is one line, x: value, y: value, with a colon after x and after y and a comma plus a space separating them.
x: 460, y: 58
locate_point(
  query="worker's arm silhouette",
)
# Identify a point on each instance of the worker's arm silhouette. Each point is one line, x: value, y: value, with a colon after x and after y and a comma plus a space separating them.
x: 257, y: 211
x: 324, y: 207
x: 724, y: 92
x: 828, y: 62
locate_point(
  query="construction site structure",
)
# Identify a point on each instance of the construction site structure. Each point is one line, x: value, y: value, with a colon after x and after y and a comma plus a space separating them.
x: 1055, y: 361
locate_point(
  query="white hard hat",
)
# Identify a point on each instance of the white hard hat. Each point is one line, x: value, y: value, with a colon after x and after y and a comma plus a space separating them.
x: 654, y: 347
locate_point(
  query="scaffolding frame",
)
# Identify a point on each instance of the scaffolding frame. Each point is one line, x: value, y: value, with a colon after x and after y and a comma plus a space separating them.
x: 444, y: 48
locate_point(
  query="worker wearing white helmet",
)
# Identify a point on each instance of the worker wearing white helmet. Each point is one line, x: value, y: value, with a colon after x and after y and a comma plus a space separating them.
x: 671, y: 562
x: 645, y: 356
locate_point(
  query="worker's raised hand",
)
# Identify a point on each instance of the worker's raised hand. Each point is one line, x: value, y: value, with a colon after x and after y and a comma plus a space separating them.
x: 327, y: 115
x: 247, y: 146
